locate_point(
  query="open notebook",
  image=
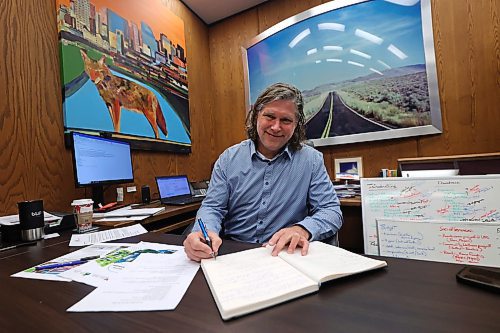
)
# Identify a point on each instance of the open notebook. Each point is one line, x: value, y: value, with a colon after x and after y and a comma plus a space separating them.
x: 252, y: 280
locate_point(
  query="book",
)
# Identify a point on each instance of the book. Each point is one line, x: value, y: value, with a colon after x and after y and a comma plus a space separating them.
x: 251, y: 280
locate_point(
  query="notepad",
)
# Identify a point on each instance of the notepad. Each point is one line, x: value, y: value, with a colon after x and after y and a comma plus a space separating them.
x: 252, y: 280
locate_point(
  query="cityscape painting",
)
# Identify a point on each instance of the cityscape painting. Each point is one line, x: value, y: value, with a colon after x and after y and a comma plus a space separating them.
x: 366, y: 69
x: 124, y: 72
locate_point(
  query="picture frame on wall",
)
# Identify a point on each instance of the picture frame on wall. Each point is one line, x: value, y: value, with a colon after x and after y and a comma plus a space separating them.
x: 124, y: 72
x: 348, y: 168
x: 366, y: 69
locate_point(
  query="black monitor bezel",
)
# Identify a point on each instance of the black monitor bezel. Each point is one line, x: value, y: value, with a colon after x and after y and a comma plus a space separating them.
x: 105, y: 182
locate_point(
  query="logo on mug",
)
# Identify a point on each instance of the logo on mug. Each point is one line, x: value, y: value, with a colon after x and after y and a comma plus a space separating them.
x: 36, y: 213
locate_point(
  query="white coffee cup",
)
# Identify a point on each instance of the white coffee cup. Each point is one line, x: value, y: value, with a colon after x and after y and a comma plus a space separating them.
x: 83, y: 210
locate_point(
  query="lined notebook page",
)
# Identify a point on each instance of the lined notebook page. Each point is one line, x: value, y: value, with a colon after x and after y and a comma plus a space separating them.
x: 326, y: 262
x: 246, y: 281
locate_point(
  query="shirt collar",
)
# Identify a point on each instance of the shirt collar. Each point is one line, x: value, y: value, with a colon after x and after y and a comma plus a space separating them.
x: 254, y: 152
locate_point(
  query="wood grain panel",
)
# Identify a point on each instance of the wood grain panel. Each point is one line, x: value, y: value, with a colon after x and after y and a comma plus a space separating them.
x: 226, y: 40
x: 467, y: 44
x: 33, y: 160
x: 273, y: 12
x: 466, y: 36
x: 35, y: 164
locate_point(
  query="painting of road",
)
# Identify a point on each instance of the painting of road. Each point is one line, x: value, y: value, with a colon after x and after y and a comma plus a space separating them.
x: 363, y: 70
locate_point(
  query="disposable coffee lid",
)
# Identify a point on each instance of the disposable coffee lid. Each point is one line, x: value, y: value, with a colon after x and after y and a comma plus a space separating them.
x: 82, y: 202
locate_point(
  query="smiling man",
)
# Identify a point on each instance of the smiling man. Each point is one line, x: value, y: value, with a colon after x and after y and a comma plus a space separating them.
x: 270, y: 188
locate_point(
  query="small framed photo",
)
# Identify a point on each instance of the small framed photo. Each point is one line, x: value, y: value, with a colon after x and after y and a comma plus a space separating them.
x: 348, y: 168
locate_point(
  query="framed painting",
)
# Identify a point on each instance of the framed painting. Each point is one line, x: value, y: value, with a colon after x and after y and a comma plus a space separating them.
x: 124, y: 72
x: 348, y: 168
x: 366, y: 69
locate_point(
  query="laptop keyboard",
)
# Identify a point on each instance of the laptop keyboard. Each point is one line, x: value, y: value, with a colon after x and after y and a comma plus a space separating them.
x: 184, y: 200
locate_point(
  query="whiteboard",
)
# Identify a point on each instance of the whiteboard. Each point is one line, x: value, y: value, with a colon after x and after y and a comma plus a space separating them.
x: 469, y: 243
x: 460, y: 198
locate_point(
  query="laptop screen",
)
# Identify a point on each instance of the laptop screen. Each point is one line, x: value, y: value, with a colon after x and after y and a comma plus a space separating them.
x: 172, y: 186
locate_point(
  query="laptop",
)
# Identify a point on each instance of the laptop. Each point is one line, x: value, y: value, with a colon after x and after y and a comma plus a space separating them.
x: 175, y: 190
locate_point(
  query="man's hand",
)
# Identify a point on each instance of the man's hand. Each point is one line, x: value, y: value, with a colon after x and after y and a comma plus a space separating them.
x: 196, y: 248
x: 293, y: 236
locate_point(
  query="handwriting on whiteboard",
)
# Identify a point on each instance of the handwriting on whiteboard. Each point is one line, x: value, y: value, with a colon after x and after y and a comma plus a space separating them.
x: 457, y: 199
x: 458, y: 242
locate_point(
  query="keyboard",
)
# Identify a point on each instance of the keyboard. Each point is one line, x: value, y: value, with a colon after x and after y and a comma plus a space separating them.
x: 182, y: 201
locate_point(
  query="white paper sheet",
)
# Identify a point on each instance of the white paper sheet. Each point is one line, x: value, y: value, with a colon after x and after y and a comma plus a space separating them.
x: 120, y: 219
x: 129, y: 212
x: 107, y: 235
x: 14, y: 219
x: 152, y: 282
x: 53, y: 274
x: 98, y: 272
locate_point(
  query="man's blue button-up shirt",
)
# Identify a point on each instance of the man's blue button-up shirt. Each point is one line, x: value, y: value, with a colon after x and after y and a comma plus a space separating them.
x: 251, y: 197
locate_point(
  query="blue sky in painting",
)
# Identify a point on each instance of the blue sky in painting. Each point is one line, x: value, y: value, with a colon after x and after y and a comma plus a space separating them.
x: 273, y: 60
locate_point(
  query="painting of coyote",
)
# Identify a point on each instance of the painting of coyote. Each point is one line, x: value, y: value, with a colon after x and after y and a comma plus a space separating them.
x: 118, y: 93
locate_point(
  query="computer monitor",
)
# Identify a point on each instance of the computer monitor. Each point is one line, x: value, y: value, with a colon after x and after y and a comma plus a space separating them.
x: 99, y: 161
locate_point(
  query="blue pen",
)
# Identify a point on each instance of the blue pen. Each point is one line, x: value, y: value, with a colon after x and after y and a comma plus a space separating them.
x: 64, y: 264
x: 205, y: 235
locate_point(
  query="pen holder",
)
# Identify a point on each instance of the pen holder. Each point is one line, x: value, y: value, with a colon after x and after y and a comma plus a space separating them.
x: 31, y: 219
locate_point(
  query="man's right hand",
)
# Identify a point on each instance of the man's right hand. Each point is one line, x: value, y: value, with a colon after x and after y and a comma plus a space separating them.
x: 196, y: 248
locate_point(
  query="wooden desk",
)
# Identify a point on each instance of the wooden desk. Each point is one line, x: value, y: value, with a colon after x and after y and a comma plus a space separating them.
x: 175, y: 218
x: 407, y: 296
x: 171, y: 219
x: 351, y: 233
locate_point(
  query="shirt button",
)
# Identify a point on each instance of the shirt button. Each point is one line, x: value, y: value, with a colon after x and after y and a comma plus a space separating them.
x: 267, y: 183
x: 263, y: 202
x: 260, y: 222
x: 268, y: 163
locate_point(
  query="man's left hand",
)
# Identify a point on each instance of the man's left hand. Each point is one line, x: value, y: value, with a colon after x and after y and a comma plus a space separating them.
x: 293, y: 236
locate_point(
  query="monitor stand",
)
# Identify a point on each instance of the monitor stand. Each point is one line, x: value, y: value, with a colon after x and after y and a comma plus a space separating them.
x: 97, y: 195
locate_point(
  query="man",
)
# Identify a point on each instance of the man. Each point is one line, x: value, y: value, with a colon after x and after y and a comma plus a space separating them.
x: 269, y: 188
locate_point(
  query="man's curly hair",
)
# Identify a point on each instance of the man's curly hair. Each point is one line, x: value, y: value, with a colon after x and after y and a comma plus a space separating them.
x: 275, y: 92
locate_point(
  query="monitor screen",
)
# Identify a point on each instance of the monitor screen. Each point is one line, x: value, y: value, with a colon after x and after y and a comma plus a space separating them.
x: 99, y: 161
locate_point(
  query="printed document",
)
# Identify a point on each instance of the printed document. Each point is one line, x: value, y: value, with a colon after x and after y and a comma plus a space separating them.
x: 107, y: 235
x: 151, y: 282
x: 98, y: 272
x: 53, y: 274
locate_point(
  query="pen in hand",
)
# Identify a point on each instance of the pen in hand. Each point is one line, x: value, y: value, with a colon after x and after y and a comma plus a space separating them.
x: 205, y: 235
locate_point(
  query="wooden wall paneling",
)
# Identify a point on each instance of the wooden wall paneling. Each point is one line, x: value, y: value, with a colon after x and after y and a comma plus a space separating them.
x: 376, y: 155
x: 32, y: 155
x: 467, y: 54
x: 273, y: 12
x: 197, y: 164
x: 484, y: 50
x: 33, y: 160
x: 226, y: 40
x: 466, y: 38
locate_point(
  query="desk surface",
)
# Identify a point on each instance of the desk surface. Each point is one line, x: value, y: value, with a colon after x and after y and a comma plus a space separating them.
x: 407, y: 296
x: 354, y: 201
x: 170, y: 211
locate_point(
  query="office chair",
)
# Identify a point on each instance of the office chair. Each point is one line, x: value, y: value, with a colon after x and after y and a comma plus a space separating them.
x: 332, y: 240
